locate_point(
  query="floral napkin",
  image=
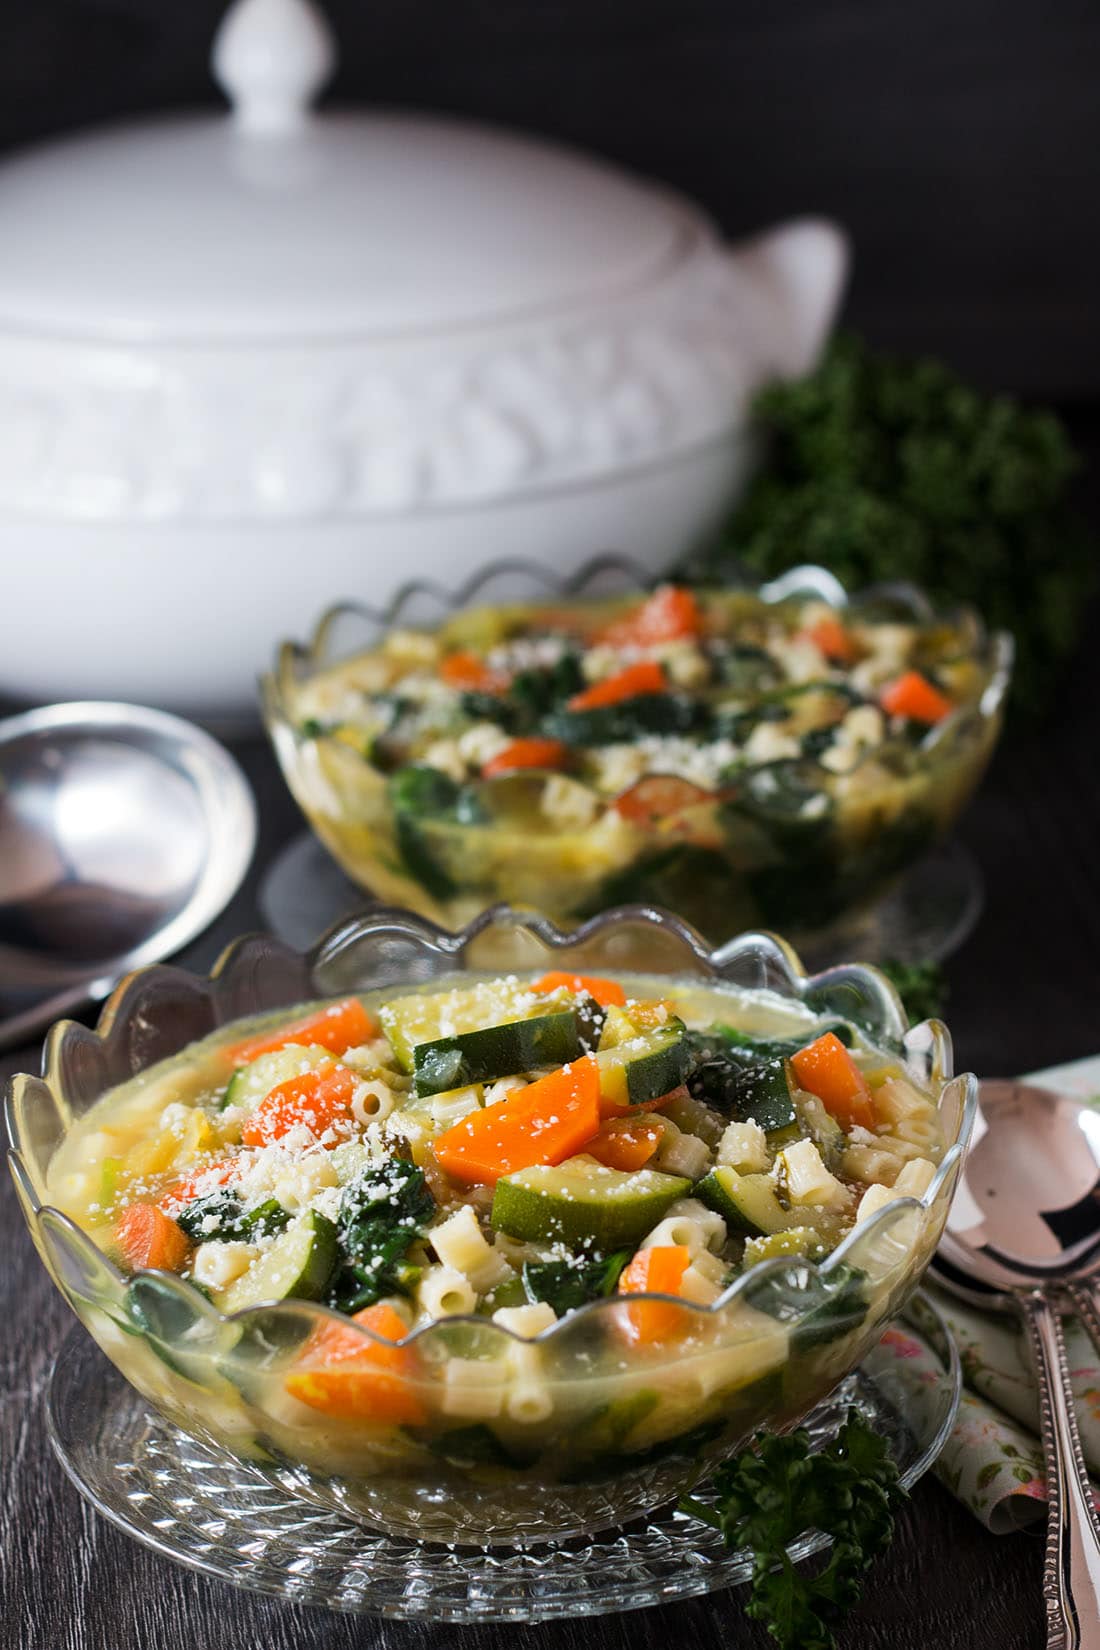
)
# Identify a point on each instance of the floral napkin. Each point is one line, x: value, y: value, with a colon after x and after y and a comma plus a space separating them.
x: 993, y: 1460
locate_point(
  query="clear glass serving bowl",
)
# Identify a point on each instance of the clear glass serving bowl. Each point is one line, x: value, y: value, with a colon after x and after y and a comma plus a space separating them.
x: 722, y: 867
x: 590, y: 1430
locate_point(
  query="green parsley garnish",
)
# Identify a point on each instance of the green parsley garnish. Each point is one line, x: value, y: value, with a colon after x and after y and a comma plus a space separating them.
x: 921, y: 986
x: 880, y: 468
x: 777, y: 1490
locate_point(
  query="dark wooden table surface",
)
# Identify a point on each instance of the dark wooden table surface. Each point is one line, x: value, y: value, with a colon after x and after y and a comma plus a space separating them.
x: 1025, y: 992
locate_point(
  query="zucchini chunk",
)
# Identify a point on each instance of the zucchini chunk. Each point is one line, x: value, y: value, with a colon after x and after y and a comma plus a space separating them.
x: 584, y: 1205
x: 252, y: 1083
x: 297, y: 1266
x: 638, y: 1066
x: 498, y: 1051
x: 428, y: 1016
x: 746, y: 1202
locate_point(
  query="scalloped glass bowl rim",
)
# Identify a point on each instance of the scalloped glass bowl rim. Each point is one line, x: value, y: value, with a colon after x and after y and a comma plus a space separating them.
x: 929, y: 1040
x: 296, y: 661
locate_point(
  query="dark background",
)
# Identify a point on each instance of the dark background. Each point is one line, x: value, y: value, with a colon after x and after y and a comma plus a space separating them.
x: 960, y: 144
x: 959, y: 140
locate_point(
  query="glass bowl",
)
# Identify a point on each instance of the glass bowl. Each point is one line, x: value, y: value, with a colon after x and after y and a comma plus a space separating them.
x: 729, y: 859
x: 585, y: 1430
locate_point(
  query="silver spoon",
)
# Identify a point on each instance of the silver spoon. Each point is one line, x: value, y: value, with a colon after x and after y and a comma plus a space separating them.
x: 1025, y: 1224
x: 123, y: 833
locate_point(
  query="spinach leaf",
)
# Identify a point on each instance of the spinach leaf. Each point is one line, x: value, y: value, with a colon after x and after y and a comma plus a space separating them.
x: 567, y: 1284
x: 419, y: 792
x: 383, y: 1211
x: 232, y: 1221
x: 535, y: 692
x: 818, y: 1306
x: 660, y: 713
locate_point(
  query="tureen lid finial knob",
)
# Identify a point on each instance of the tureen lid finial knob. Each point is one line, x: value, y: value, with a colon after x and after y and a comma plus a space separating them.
x: 271, y: 58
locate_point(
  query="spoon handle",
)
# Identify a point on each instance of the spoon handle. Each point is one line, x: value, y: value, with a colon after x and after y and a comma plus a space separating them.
x: 1071, y: 1578
x: 1085, y: 1301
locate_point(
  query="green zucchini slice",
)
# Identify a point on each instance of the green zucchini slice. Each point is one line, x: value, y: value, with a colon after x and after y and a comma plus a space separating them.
x: 254, y: 1082
x: 645, y: 1066
x: 429, y: 1016
x: 584, y: 1205
x: 297, y: 1266
x: 746, y: 1202
x: 496, y: 1051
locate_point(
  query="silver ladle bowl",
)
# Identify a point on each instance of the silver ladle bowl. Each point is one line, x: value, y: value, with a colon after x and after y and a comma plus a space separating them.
x: 123, y: 833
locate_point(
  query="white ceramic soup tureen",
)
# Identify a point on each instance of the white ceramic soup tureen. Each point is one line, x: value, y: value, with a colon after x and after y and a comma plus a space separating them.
x: 255, y: 363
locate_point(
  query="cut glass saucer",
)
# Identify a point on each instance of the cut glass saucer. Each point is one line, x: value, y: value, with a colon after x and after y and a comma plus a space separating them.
x: 210, y: 1512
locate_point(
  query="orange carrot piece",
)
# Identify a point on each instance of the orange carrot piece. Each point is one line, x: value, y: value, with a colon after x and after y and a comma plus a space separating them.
x: 634, y: 682
x: 353, y: 1379
x: 466, y: 671
x: 543, y: 1123
x: 826, y: 1069
x: 830, y: 638
x: 658, y: 797
x: 149, y: 1237
x: 321, y: 1100
x: 197, y: 1184
x: 622, y: 1144
x: 607, y: 993
x: 671, y: 614
x: 527, y: 753
x: 338, y: 1027
x: 913, y: 695
x: 658, y: 1271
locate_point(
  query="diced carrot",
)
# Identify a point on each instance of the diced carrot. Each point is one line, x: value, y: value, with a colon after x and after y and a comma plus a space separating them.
x: 317, y: 1099
x: 646, y: 677
x: 622, y: 1144
x: 658, y: 797
x: 149, y: 1237
x: 338, y: 1027
x: 913, y: 695
x: 658, y: 1271
x: 198, y: 1184
x: 527, y: 753
x: 467, y: 671
x: 830, y: 638
x: 545, y: 1122
x: 671, y: 614
x: 354, y: 1379
x: 826, y: 1069
x: 605, y: 992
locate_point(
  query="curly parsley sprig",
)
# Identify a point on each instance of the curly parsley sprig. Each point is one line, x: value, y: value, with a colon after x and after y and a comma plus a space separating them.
x: 921, y: 986
x: 883, y: 468
x: 777, y: 1490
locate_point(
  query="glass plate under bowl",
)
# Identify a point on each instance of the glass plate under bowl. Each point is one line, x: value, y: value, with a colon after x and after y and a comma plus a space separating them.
x: 206, y: 1510
x: 931, y: 911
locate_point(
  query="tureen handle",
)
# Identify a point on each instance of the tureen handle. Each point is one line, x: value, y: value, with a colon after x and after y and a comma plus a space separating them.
x: 797, y: 274
x: 271, y: 58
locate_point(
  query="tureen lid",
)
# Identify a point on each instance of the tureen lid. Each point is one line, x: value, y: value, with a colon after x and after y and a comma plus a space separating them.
x: 271, y: 221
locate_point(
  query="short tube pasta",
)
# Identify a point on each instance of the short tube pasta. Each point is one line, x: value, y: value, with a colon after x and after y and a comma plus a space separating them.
x: 473, y: 1388
x: 460, y: 1244
x: 709, y: 1221
x: 682, y: 1154
x: 444, y: 1293
x: 373, y: 1101
x: 680, y: 1231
